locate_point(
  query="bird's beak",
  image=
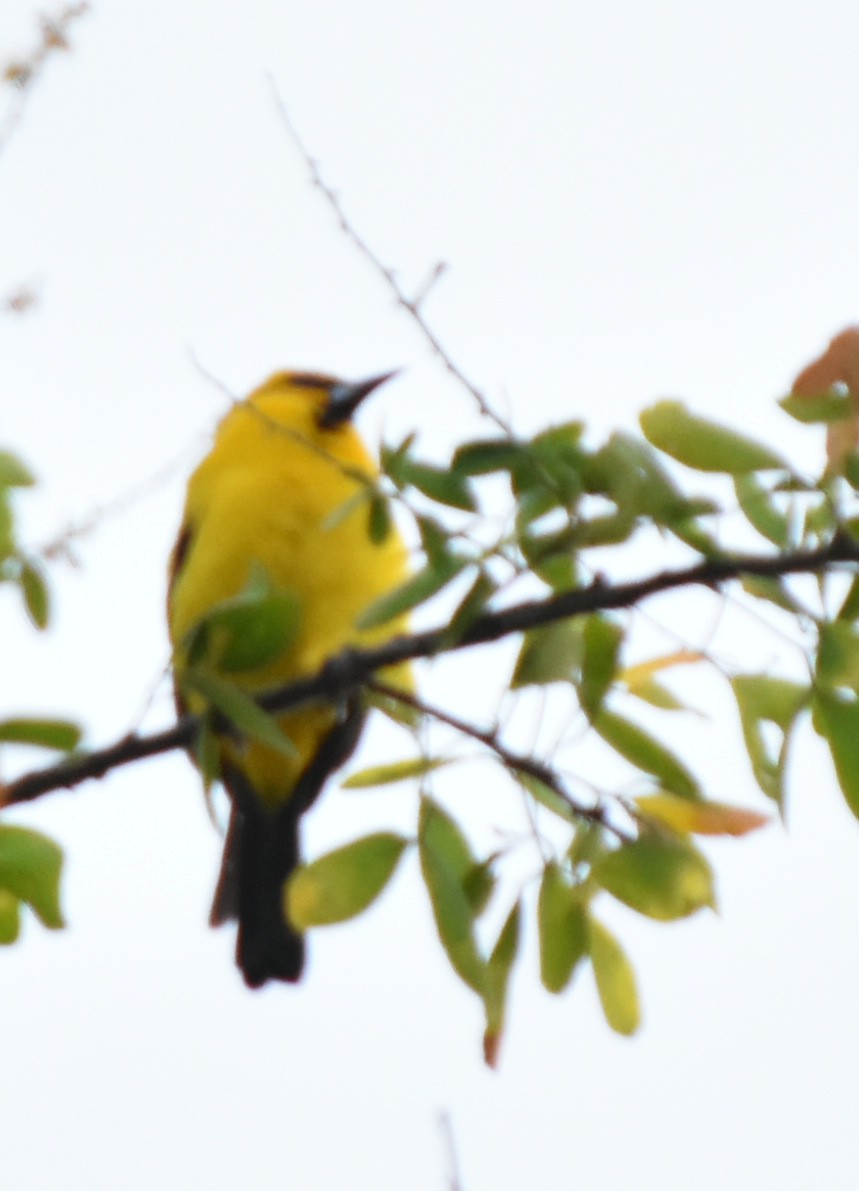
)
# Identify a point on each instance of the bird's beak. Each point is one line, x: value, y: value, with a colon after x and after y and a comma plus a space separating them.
x: 344, y: 399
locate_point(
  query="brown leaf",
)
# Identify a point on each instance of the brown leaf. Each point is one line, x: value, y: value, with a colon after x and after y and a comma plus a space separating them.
x: 839, y: 365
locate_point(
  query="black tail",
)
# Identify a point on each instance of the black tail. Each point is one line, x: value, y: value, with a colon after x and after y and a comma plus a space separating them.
x: 260, y: 851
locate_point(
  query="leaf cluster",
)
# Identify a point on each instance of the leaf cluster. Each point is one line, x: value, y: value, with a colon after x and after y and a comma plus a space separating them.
x: 30, y: 863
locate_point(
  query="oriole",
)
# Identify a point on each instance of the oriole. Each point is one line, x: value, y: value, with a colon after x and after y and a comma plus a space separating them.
x: 274, y: 492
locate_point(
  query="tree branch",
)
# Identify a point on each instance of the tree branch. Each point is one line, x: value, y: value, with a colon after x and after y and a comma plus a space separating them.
x: 352, y: 668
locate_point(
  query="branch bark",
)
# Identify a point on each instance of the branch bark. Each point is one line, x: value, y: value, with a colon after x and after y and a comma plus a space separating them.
x: 352, y: 668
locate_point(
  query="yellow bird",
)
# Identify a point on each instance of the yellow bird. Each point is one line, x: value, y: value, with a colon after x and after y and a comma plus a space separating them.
x: 274, y: 493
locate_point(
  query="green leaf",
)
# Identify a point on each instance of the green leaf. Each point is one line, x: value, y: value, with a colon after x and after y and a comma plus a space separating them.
x: 343, y: 883
x: 615, y: 979
x: 479, y: 885
x: 762, y: 700
x: 820, y: 522
x: 552, y: 556
x: 608, y: 530
x: 446, y: 862
x: 704, y: 445
x: 588, y: 844
x: 470, y: 607
x: 207, y: 753
x: 695, y: 536
x: 396, y: 771
x: 240, y: 709
x: 662, y: 876
x: 838, y: 655
x: 439, y: 484
x: 250, y: 630
x: 7, y: 532
x: 496, y: 981
x: 646, y: 753
x: 837, y: 720
x: 602, y: 641
x: 13, y: 473
x: 379, y: 524
x: 416, y: 590
x: 755, y: 499
x: 30, y: 869
x: 764, y: 587
x: 43, y: 733
x: 482, y: 457
x: 10, y: 918
x: 544, y: 795
x: 435, y: 540
x: 829, y: 407
x: 562, y: 922
x: 36, y: 598
x: 849, y: 609
x: 551, y: 653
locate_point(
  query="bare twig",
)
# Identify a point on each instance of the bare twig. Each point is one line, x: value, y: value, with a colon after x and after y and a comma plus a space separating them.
x: 514, y: 762
x: 412, y: 305
x: 353, y: 668
x: 59, y: 545
x: 23, y: 72
x: 446, y: 1126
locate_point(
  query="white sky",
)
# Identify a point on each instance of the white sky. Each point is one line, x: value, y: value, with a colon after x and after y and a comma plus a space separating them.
x: 634, y: 200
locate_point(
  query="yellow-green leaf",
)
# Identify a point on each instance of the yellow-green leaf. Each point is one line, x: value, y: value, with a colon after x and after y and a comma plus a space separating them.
x: 249, y: 630
x: 13, y: 473
x: 615, y: 979
x: 343, y: 883
x: 760, y: 510
x: 30, y: 869
x: 36, y: 597
x: 448, y: 487
x: 417, y: 590
x: 774, y: 591
x: 764, y: 702
x: 602, y: 641
x: 470, y: 607
x: 446, y: 862
x: 639, y: 679
x: 544, y: 794
x: 828, y: 407
x: 646, y: 753
x: 700, y: 818
x: 10, y: 918
x: 240, y: 709
x: 496, y: 982
x: 484, y: 456
x: 838, y: 655
x: 702, y: 444
x: 849, y: 609
x: 396, y: 771
x: 47, y: 734
x: 662, y: 876
x: 379, y: 523
x: 836, y: 718
x: 562, y: 921
x: 552, y: 653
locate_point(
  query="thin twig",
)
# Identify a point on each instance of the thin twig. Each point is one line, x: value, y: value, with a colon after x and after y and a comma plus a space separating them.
x: 23, y: 72
x: 514, y: 762
x: 412, y: 306
x: 351, y: 669
x: 446, y: 1126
